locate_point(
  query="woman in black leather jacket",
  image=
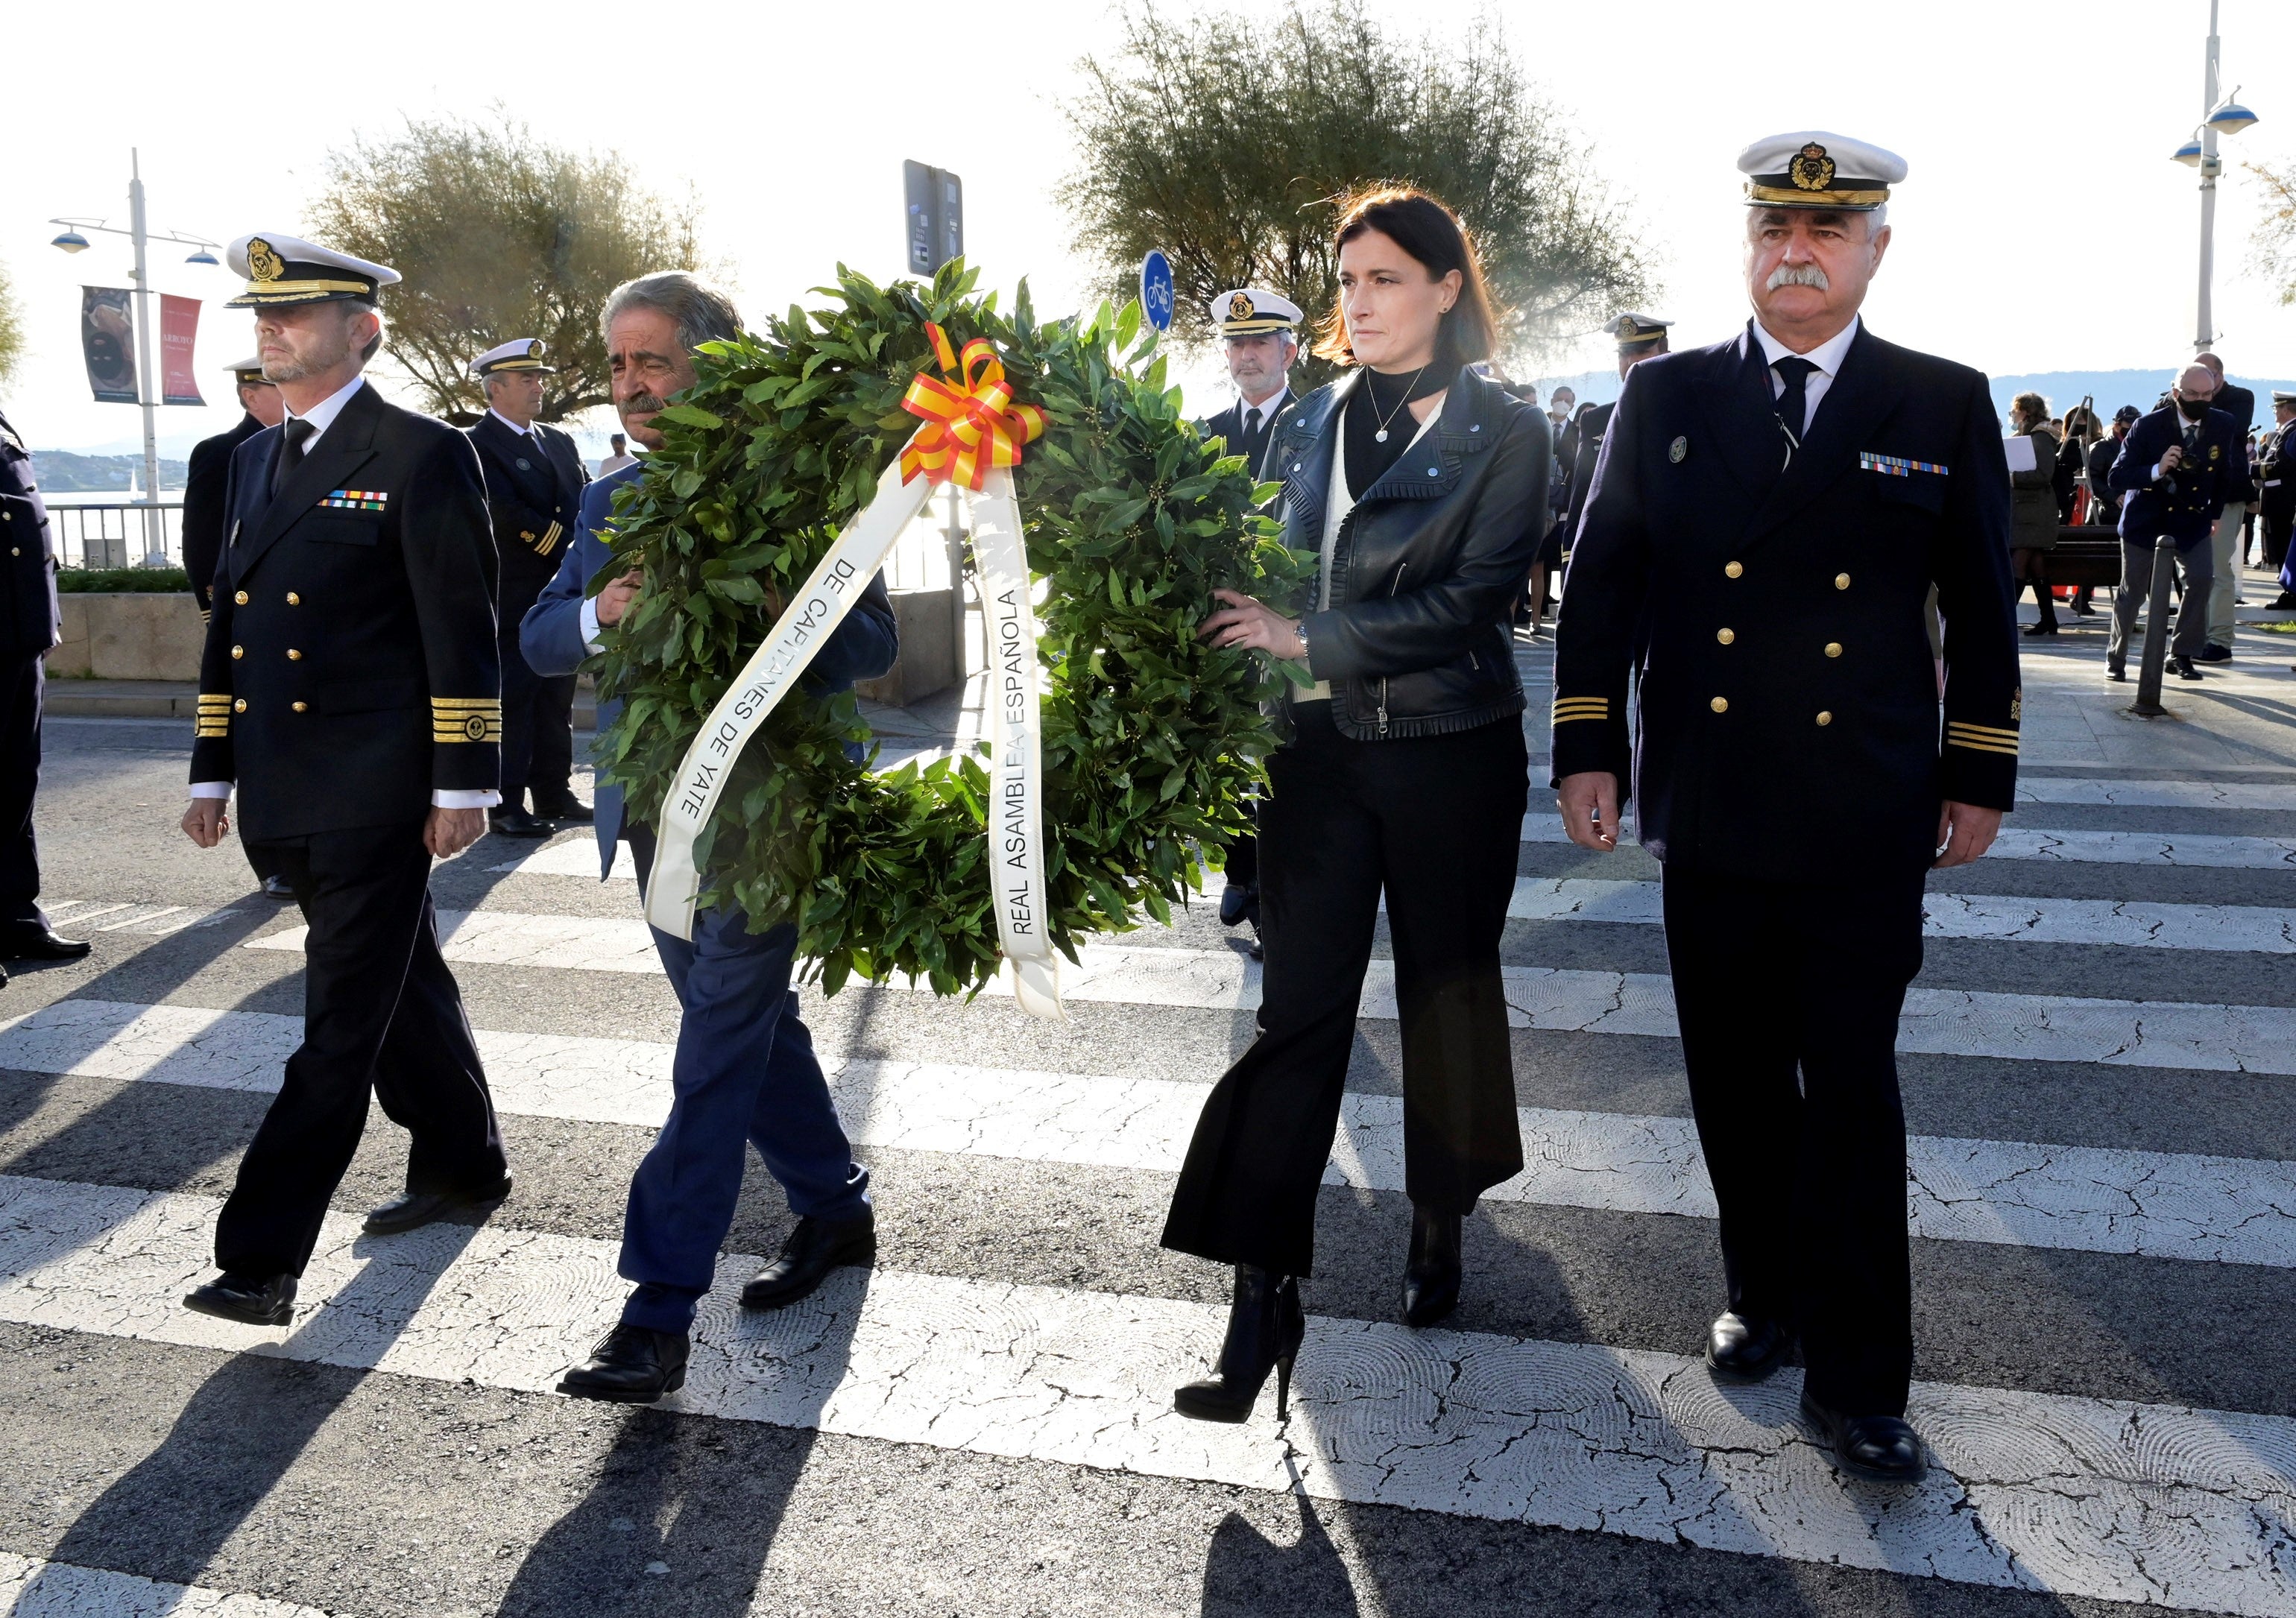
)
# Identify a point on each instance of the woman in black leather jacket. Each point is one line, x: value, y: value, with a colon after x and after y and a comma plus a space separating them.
x: 1423, y: 486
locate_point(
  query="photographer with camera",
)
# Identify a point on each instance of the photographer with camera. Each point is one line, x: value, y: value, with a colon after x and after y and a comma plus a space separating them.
x: 2178, y: 468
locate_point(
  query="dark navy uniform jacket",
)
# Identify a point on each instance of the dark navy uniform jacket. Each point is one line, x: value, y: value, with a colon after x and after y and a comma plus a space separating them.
x: 29, y: 620
x: 2184, y: 505
x: 350, y: 667
x: 1791, y: 726
x: 533, y: 492
x: 1229, y: 424
x: 206, y: 488
x: 1589, y: 429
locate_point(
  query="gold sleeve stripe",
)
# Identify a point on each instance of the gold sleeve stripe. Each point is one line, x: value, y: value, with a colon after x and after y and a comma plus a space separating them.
x: 1981, y: 747
x: 476, y: 728
x: 549, y: 540
x: 1982, y: 729
x: 211, y: 729
x: 464, y: 705
x: 1600, y: 705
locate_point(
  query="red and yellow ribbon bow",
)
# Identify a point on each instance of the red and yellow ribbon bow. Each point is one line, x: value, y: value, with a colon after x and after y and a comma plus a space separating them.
x: 971, y: 421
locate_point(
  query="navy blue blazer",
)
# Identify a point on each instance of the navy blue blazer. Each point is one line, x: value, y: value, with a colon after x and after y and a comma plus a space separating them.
x: 30, y: 622
x: 551, y: 635
x: 1774, y: 614
x: 2186, y: 506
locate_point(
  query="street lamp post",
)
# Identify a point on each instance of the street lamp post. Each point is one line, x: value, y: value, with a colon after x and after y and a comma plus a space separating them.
x: 147, y: 377
x: 2227, y: 117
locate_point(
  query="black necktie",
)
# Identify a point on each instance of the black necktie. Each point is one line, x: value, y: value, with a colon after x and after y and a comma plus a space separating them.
x: 290, y: 453
x: 1251, y: 425
x: 1793, y: 404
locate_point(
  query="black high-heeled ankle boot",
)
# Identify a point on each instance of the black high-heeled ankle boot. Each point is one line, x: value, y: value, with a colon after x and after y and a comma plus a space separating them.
x: 1431, y: 1276
x: 1265, y: 1326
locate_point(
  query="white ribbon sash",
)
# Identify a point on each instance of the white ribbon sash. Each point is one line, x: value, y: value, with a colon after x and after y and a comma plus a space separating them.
x: 1015, y: 816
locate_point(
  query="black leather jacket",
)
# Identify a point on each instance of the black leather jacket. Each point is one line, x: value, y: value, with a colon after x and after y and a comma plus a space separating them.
x: 1428, y: 564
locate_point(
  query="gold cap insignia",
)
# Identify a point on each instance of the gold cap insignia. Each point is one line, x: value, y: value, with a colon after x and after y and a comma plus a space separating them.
x: 534, y: 349
x: 1239, y: 308
x: 262, y: 263
x: 1811, y: 169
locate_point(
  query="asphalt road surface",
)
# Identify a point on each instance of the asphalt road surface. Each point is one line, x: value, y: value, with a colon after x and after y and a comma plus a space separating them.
x: 2098, y: 1062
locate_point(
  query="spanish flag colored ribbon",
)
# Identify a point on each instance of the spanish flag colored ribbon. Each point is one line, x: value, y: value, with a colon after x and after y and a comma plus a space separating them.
x: 971, y: 421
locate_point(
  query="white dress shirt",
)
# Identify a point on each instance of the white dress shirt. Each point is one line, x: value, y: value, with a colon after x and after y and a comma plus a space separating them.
x: 1826, y: 356
x: 321, y: 416
x: 523, y: 432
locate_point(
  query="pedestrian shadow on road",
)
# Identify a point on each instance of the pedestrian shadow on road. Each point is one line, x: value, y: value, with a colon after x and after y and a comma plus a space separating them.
x: 1248, y: 1574
x: 240, y: 1433
x: 687, y: 1500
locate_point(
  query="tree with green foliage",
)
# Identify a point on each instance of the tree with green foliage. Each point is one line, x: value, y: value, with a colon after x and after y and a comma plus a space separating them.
x: 11, y: 327
x: 2275, y: 238
x: 499, y: 235
x: 1227, y: 141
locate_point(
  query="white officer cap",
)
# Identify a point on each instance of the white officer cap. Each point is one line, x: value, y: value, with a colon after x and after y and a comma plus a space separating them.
x: 1248, y: 311
x: 1637, y: 331
x: 519, y: 354
x: 2279, y: 397
x: 1813, y: 168
x: 249, y: 370
x: 282, y: 270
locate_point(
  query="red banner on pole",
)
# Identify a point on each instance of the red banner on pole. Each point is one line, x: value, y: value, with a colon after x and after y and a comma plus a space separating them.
x: 179, y: 326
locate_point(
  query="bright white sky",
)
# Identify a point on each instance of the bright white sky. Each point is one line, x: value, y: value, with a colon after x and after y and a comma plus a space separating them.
x: 2042, y: 227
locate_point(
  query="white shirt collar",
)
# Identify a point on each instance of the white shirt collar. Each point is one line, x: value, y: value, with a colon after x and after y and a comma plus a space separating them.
x: 1266, y: 408
x: 506, y: 422
x: 322, y: 415
x: 1826, y: 356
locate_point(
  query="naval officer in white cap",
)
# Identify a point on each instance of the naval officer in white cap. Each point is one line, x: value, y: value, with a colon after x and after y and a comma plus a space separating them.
x: 349, y: 693
x: 1259, y: 330
x: 535, y: 479
x: 1766, y: 520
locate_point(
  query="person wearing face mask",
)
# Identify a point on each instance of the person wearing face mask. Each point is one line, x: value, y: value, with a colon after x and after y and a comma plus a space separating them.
x: 1420, y: 482
x: 1769, y: 518
x: 2177, y: 471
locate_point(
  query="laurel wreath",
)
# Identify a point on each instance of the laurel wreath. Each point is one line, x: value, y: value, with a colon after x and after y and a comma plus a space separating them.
x: 1152, y: 740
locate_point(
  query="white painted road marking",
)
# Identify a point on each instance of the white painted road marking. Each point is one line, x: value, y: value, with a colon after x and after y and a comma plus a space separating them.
x: 2102, y: 1499
x: 2076, y: 848
x: 2090, y: 1200
x: 33, y: 1588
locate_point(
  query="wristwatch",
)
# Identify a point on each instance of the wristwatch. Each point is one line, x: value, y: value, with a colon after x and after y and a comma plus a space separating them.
x: 1299, y: 634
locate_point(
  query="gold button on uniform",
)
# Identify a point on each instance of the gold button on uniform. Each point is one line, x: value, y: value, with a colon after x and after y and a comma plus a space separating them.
x: 240, y: 707
x: 1841, y: 581
x: 1824, y: 717
x: 239, y: 598
x: 239, y: 651
x: 1725, y: 636
x: 1833, y: 649
x: 293, y: 656
x: 293, y: 600
x: 15, y: 550
x: 301, y: 707
x: 1720, y: 705
x: 1733, y: 569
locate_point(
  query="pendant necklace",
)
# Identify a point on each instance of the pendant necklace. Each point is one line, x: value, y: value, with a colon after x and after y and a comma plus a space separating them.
x: 1380, y: 436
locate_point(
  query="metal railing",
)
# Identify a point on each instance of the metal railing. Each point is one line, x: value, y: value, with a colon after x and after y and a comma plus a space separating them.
x: 117, y: 534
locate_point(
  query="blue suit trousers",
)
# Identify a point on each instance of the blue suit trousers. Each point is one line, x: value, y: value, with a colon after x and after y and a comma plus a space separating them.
x: 744, y: 1075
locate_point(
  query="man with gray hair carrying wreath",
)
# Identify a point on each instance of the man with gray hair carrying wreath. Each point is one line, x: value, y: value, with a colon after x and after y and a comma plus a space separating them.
x: 744, y: 1072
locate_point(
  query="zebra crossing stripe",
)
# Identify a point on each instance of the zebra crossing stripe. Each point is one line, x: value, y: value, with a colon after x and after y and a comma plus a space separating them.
x: 30, y: 1588
x: 2108, y: 1500
x: 2091, y: 1199
x: 2087, y: 847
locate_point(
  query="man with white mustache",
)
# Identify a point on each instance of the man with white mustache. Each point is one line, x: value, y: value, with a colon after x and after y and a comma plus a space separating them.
x: 1811, y: 484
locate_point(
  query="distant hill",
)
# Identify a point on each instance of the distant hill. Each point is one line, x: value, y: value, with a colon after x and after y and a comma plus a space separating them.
x: 2062, y: 388
x: 63, y: 472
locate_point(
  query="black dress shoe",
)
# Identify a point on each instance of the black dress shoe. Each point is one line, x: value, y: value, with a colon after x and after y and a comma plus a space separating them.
x: 561, y: 807
x: 278, y: 888
x: 631, y: 1365
x: 252, y: 1300
x: 1265, y: 1327
x: 38, y: 944
x: 2115, y: 673
x: 2041, y: 629
x: 3, y: 977
x: 515, y: 823
x: 2213, y: 653
x: 1879, y: 1448
x: 1739, y: 1350
x: 2183, y: 668
x: 1431, y: 1274
x: 814, y: 1248
x: 417, y: 1209
x: 1239, y: 904
x: 2285, y: 600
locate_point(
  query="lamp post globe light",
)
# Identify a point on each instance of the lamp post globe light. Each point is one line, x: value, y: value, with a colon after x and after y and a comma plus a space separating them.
x: 73, y: 239
x: 2218, y: 117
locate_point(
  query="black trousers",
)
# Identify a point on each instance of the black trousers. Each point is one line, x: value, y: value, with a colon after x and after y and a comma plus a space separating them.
x: 1788, y: 998
x: 2276, y: 524
x: 537, y: 743
x: 1437, y: 822
x: 21, y: 683
x: 381, y: 1013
